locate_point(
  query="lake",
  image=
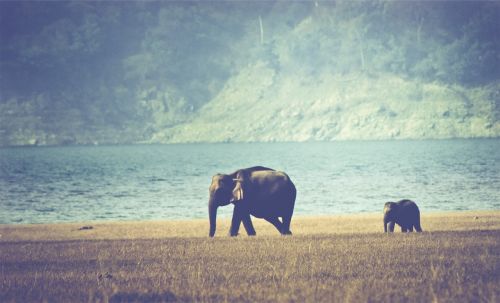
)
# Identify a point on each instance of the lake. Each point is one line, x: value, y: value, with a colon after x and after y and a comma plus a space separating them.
x: 162, y: 182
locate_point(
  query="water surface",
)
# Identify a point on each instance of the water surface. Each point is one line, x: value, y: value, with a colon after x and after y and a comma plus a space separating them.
x: 143, y: 182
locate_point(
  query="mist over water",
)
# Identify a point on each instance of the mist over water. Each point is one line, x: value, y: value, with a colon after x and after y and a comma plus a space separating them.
x: 148, y: 182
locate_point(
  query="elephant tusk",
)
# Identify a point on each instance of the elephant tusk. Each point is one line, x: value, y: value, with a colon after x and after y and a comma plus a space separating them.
x: 238, y: 180
x: 239, y: 195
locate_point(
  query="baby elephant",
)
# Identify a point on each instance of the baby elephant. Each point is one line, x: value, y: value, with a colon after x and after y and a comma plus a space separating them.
x: 405, y: 213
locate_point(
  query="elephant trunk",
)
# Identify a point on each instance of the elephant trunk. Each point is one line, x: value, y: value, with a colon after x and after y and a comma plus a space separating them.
x: 391, y: 226
x: 212, y: 216
x: 388, y: 221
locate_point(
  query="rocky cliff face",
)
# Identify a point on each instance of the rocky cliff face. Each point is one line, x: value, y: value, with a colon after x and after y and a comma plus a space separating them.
x: 260, y: 105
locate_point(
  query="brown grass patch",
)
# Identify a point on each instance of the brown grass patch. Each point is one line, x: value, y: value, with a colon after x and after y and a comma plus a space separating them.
x: 330, y: 259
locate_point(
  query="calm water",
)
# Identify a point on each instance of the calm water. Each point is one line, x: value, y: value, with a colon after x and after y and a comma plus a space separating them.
x: 70, y: 184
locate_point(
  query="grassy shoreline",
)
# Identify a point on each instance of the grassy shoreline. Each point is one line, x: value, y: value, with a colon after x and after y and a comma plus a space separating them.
x: 329, y: 259
x: 198, y: 228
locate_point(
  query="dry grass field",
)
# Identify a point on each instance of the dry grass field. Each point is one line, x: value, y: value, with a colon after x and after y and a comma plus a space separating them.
x: 328, y: 259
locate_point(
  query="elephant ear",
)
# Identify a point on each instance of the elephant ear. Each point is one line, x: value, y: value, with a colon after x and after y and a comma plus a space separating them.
x: 389, y: 207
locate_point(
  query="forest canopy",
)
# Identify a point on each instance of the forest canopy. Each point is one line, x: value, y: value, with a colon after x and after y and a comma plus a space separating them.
x: 84, y: 72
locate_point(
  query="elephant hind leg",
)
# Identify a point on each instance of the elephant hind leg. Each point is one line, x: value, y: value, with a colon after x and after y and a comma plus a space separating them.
x: 286, y: 225
x: 418, y: 228
x: 276, y: 222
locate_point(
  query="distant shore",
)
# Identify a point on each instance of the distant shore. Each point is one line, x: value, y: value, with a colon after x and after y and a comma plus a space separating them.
x: 301, y: 225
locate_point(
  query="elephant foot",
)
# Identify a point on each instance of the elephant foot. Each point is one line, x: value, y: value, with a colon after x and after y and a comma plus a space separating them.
x: 286, y: 233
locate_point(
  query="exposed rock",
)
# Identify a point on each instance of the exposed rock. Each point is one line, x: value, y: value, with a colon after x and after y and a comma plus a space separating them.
x: 254, y: 107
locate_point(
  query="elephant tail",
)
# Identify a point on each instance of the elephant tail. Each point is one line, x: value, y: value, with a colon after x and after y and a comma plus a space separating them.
x: 292, y: 189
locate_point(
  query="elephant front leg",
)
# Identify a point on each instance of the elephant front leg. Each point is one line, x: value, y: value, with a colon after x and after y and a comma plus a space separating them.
x: 247, y: 223
x: 235, y: 222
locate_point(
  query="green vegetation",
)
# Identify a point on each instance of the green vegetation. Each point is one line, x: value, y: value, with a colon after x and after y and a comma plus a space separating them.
x: 188, y: 71
x: 329, y: 259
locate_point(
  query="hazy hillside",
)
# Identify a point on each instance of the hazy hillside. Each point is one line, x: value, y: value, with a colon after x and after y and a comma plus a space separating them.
x: 382, y: 107
x: 124, y: 72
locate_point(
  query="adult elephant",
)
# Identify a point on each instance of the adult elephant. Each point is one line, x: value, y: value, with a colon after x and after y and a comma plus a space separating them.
x: 405, y: 213
x: 258, y: 191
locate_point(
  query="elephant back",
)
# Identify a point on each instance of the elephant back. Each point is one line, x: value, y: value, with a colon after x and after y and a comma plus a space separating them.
x: 269, y: 176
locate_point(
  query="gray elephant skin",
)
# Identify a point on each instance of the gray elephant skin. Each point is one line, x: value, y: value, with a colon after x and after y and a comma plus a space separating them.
x: 258, y: 191
x: 405, y: 213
